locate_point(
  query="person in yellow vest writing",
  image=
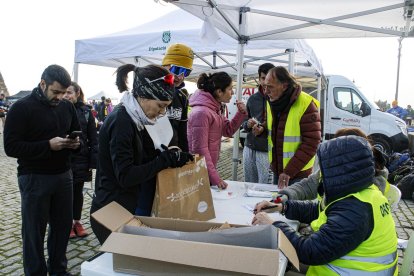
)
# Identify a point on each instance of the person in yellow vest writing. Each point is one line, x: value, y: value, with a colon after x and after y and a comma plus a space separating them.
x: 353, y: 230
x: 293, y: 127
x: 307, y: 188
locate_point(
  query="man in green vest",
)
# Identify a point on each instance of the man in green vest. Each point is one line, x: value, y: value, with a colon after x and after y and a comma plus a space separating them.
x: 293, y: 126
x: 353, y: 229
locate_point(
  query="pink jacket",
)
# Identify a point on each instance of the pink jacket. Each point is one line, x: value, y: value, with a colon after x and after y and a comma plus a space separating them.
x: 205, y: 128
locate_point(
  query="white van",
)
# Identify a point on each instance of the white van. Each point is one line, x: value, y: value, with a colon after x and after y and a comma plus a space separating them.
x: 346, y: 106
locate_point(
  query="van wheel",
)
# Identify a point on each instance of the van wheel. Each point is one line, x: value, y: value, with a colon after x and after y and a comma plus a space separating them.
x: 242, y: 142
x: 382, y: 144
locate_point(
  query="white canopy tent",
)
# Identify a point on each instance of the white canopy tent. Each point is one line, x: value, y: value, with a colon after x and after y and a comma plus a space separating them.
x: 294, y: 19
x: 147, y: 44
x: 218, y: 51
x: 250, y: 20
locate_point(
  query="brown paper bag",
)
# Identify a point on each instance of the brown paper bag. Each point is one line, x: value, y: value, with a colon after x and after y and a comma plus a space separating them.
x: 184, y: 192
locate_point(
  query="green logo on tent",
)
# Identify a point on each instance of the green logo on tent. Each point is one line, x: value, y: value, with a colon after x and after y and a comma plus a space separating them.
x: 166, y: 36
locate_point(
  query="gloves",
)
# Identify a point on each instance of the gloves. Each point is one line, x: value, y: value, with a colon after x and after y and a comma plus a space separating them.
x: 174, y: 158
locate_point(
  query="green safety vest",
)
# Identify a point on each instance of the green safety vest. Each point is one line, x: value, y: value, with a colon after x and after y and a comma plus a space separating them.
x: 291, y: 136
x: 375, y: 256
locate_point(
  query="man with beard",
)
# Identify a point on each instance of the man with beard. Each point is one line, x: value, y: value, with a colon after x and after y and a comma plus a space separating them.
x: 293, y: 125
x: 37, y: 134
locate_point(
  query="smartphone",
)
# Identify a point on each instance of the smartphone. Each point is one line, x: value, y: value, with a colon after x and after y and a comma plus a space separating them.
x: 75, y: 134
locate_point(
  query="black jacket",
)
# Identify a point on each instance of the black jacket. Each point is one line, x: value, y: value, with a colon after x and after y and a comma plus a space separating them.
x: 256, y: 107
x: 347, y: 166
x: 127, y: 164
x: 31, y: 123
x: 177, y: 113
x: 85, y: 160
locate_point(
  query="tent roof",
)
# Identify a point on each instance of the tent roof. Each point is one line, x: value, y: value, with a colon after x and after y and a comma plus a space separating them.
x: 296, y: 19
x: 20, y: 94
x: 147, y: 43
x: 105, y: 94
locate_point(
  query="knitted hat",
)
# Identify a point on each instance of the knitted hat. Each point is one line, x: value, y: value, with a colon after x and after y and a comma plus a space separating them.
x: 180, y: 55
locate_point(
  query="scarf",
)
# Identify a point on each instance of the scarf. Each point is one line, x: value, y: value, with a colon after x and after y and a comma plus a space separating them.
x: 280, y: 104
x: 135, y: 111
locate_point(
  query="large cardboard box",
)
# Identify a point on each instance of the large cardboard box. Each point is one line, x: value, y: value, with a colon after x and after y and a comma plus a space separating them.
x: 177, y: 247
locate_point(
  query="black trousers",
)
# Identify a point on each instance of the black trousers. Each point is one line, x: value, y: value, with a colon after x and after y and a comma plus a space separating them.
x: 45, y: 199
x: 77, y: 199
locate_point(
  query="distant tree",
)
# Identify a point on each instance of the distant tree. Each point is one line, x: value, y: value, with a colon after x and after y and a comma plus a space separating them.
x: 383, y: 105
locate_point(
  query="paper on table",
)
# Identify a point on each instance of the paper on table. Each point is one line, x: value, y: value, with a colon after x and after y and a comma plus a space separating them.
x: 161, y: 132
x: 261, y: 187
x: 254, y: 193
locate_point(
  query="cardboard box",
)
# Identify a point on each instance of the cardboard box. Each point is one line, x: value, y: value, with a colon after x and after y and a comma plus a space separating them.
x: 184, y: 252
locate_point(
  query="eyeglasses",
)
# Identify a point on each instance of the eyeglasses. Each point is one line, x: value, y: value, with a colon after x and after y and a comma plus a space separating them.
x: 178, y: 70
x: 168, y: 79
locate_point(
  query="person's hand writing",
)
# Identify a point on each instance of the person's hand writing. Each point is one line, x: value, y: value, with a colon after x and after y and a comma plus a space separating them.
x: 59, y: 143
x: 259, y: 207
x: 262, y: 219
x: 283, y: 181
x: 241, y: 106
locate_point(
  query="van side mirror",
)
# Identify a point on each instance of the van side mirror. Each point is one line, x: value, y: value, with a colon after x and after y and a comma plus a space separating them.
x: 366, y: 109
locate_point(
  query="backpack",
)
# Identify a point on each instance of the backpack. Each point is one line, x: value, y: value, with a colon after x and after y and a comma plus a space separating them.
x: 399, y: 173
x: 397, y: 160
x: 406, y: 186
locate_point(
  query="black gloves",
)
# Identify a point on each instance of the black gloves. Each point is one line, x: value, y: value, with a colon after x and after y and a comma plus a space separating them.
x: 174, y: 158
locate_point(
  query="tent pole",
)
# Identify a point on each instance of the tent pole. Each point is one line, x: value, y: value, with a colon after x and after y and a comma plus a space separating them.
x: 75, y: 71
x: 318, y: 93
x: 291, y: 67
x: 240, y: 58
x: 236, y: 137
x: 398, y: 67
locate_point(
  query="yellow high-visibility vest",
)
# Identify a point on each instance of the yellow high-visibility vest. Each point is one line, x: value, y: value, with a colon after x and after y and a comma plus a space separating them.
x: 377, y: 255
x: 292, y: 135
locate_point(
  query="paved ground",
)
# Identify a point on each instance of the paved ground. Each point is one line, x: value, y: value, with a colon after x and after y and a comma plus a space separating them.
x: 81, y: 249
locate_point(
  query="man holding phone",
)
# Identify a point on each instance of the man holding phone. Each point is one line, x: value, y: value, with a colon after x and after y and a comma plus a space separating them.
x: 37, y: 134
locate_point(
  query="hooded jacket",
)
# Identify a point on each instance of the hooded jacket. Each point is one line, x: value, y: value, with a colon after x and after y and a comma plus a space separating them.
x: 307, y: 188
x: 347, y: 166
x: 206, y: 126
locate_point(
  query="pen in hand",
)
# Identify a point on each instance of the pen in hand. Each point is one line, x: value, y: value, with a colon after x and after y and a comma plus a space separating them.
x: 266, y: 208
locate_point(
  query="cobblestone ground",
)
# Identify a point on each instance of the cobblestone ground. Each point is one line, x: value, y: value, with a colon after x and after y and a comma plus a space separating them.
x: 81, y: 249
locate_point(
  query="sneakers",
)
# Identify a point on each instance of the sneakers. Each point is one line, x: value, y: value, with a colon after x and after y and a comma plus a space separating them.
x: 77, y: 231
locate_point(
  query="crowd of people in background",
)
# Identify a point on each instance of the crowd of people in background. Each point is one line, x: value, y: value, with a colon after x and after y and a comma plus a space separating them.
x: 58, y: 139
